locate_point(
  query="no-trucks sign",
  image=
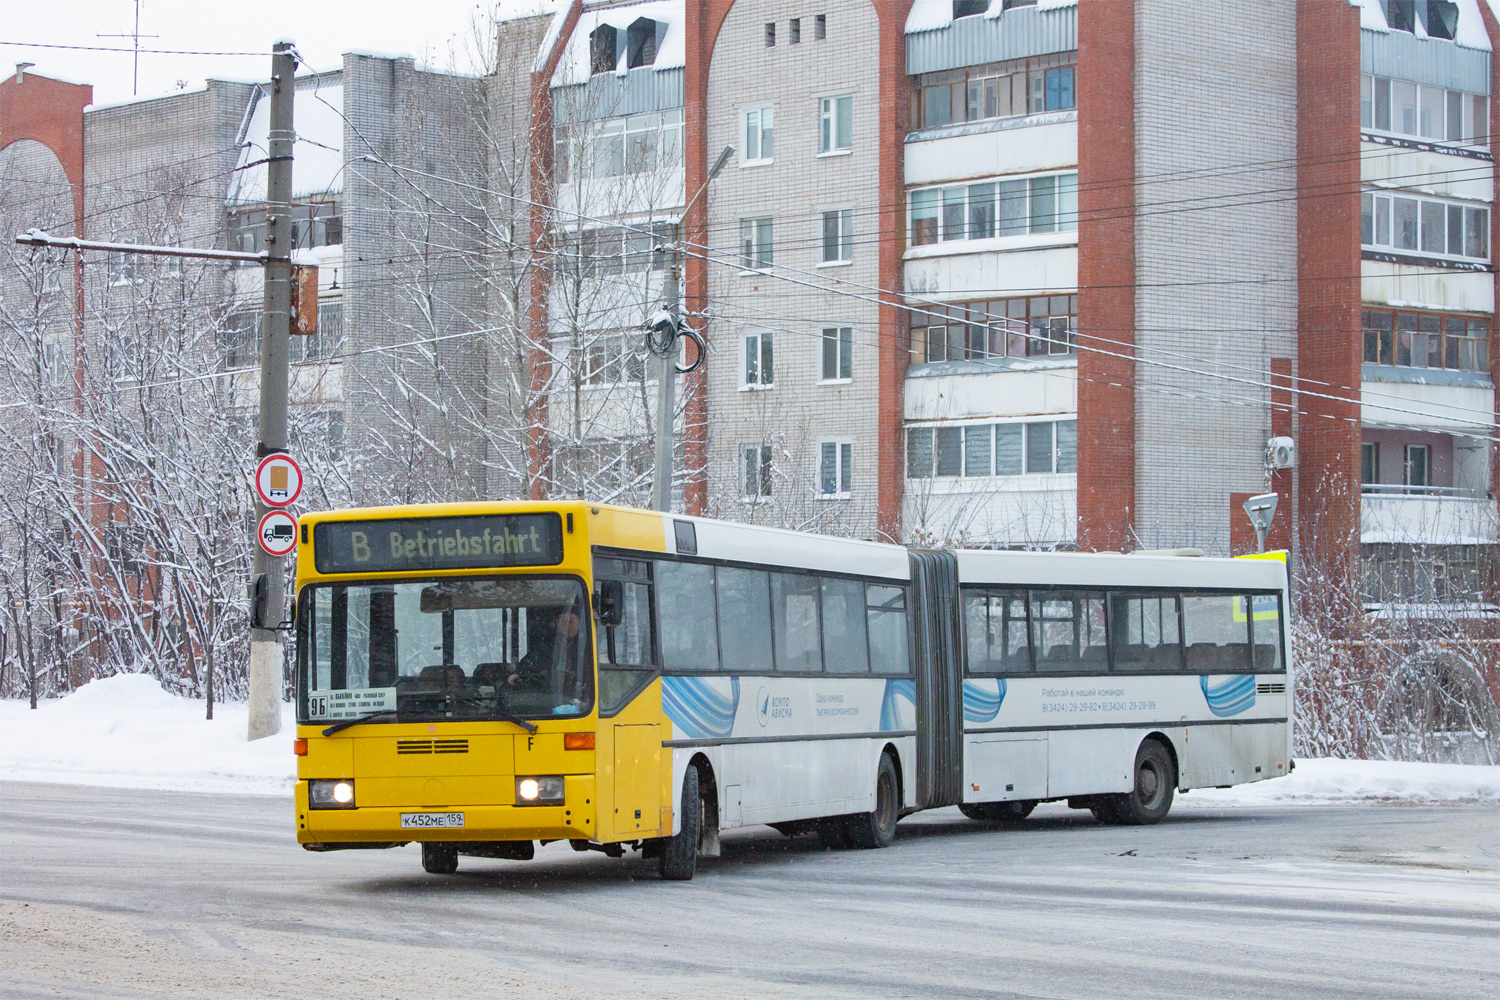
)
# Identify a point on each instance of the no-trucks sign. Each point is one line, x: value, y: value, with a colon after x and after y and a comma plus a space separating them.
x: 278, y: 480
x: 277, y: 533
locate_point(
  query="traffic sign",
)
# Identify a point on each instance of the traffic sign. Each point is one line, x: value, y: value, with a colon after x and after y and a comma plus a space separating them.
x: 277, y: 533
x: 278, y: 480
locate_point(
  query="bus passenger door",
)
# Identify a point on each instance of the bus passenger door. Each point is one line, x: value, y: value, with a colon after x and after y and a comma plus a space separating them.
x: 638, y: 781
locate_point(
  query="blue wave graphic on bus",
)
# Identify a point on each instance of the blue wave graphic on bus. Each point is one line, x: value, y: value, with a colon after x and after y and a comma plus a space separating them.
x: 698, y: 706
x: 982, y: 704
x: 1228, y: 695
x: 890, y: 708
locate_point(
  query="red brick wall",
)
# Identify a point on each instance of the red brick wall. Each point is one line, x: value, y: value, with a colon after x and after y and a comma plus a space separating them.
x: 895, y: 331
x: 542, y: 191
x: 49, y: 112
x: 1106, y: 274
x: 1328, y: 267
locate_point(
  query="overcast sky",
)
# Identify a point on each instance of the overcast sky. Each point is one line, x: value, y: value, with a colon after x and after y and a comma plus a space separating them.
x: 437, y: 33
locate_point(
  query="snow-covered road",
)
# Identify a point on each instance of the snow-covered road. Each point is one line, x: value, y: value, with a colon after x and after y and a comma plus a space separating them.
x: 121, y: 893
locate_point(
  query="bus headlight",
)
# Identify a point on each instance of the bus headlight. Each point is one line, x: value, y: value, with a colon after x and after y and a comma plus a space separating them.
x: 542, y: 791
x: 330, y: 794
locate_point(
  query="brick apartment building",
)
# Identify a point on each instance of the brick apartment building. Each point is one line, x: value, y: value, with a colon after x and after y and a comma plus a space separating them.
x: 997, y: 272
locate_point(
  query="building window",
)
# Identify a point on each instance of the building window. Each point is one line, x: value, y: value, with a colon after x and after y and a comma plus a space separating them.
x: 1420, y: 111
x: 594, y: 253
x: 969, y: 8
x: 632, y: 144
x: 1426, y: 340
x: 794, y: 31
x: 759, y: 127
x: 1417, y: 470
x: 995, y: 90
x: 1401, y: 15
x: 755, y: 244
x: 1036, y: 447
x: 770, y: 34
x: 1442, y: 19
x: 241, y: 339
x: 1369, y: 462
x: 838, y: 236
x: 836, y: 115
x: 1036, y: 326
x: 838, y: 349
x: 834, y: 461
x: 760, y: 370
x: 1425, y: 226
x: 54, y: 355
x: 756, y: 478
x: 606, y: 359
x: 328, y: 343
x: 994, y: 209
x: 820, y: 27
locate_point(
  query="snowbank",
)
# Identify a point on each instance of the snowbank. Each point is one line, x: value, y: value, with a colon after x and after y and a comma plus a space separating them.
x: 126, y: 732
x: 1333, y: 782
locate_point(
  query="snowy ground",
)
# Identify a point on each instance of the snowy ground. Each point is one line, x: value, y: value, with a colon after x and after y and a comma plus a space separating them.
x: 126, y: 732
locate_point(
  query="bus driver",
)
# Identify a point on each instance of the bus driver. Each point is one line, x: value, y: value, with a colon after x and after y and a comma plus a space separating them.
x: 543, y: 659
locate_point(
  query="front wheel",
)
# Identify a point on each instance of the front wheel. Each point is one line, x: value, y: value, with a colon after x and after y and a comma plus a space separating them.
x: 1155, y: 783
x: 678, y: 860
x: 878, y: 827
x: 439, y: 859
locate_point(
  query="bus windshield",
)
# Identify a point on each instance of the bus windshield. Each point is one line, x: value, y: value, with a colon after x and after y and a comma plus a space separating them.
x: 470, y: 648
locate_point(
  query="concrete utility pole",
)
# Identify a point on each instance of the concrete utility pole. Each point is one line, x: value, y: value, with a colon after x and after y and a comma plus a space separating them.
x: 265, y: 643
x: 662, y: 331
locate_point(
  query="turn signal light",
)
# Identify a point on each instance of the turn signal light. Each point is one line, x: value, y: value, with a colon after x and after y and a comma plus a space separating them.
x: 299, y: 747
x: 578, y: 741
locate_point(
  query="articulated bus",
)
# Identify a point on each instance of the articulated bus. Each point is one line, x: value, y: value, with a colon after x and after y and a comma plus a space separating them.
x: 482, y: 677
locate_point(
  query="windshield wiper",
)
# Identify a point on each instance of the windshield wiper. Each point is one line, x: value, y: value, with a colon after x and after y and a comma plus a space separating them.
x: 503, y: 710
x: 338, y: 726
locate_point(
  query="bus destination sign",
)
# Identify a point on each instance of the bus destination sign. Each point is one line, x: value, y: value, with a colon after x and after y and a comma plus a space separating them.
x: 427, y: 543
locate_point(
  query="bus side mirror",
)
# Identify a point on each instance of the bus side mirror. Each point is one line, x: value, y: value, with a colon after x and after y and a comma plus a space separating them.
x: 260, y: 600
x: 609, y: 603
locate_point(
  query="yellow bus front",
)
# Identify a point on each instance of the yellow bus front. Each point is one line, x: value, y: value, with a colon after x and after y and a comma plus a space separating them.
x: 447, y: 685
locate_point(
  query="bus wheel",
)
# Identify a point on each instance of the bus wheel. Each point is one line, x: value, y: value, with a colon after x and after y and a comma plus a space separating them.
x: 877, y: 828
x: 1155, y: 782
x: 998, y: 812
x: 439, y: 859
x: 678, y: 860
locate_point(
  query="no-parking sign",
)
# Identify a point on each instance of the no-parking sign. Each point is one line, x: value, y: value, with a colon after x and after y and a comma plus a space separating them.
x: 277, y: 533
x: 278, y: 480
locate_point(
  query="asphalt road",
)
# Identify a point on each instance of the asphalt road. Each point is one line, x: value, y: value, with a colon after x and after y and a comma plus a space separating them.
x: 107, y: 893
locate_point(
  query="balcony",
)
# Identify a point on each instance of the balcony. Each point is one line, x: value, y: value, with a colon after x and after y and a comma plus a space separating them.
x: 1427, y: 515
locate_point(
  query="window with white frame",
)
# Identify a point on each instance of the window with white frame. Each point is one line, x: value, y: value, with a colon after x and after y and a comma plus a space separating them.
x: 755, y: 244
x: 1427, y: 226
x: 984, y: 210
x: 836, y: 131
x: 835, y: 459
x: 1419, y: 111
x: 838, y: 236
x: 1417, y: 469
x: 838, y: 348
x: 759, y: 127
x: 328, y: 343
x: 53, y: 357
x: 606, y: 359
x: 755, y: 477
x: 1013, y: 448
x: 1032, y: 85
x: 760, y: 369
x: 615, y: 147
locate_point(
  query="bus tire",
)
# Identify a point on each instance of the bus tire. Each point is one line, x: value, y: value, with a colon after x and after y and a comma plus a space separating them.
x: 678, y: 860
x: 1155, y: 783
x: 439, y: 859
x: 877, y: 828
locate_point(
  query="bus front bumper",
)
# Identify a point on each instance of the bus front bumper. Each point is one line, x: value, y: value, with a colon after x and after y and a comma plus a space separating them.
x: 386, y: 824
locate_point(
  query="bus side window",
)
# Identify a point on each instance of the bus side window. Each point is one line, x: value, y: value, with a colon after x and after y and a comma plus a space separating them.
x: 1144, y: 634
x: 1215, y: 642
x: 689, y: 625
x: 1265, y: 628
x: 845, y: 646
x: 794, y: 623
x: 997, y: 632
x: 886, y: 610
x: 745, y: 619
